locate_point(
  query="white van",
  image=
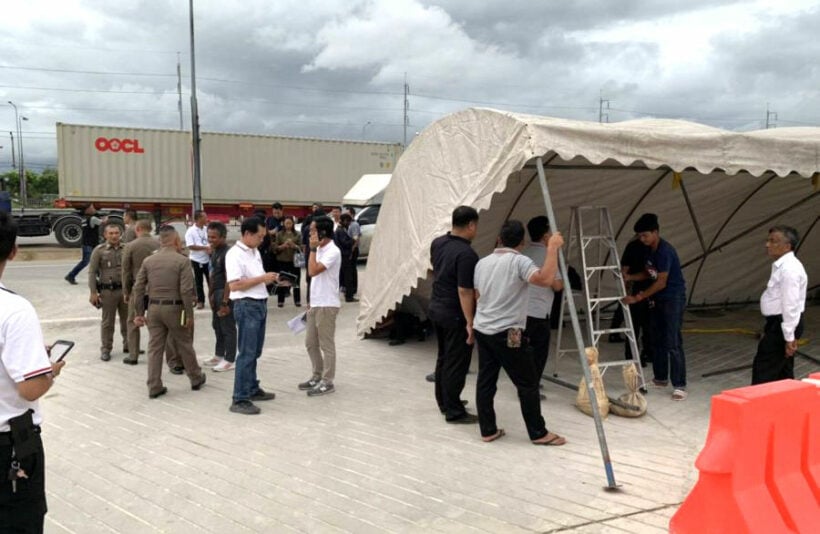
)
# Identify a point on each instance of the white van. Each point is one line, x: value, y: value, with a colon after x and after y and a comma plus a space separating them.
x: 366, y: 197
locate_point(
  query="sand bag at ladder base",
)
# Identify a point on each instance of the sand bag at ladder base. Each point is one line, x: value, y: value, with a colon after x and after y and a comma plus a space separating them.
x: 633, y: 397
x: 582, y: 401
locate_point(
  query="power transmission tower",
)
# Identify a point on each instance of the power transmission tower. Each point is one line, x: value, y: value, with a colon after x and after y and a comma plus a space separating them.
x: 601, y: 114
x: 406, y: 121
x: 771, y: 118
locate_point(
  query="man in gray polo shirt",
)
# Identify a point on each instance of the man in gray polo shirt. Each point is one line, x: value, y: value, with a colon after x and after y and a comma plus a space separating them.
x: 501, y: 285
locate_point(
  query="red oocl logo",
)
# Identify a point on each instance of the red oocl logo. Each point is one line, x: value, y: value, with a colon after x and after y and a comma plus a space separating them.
x: 104, y: 144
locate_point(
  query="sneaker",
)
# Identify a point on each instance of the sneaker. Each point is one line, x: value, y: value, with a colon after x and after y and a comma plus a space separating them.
x: 322, y: 388
x: 210, y: 362
x: 224, y: 366
x: 310, y: 384
x: 679, y: 394
x: 262, y: 395
x: 245, y: 408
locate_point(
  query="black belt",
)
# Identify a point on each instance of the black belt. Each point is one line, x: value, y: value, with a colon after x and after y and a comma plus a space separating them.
x: 5, y: 437
x: 112, y: 287
x: 166, y: 302
x: 253, y: 299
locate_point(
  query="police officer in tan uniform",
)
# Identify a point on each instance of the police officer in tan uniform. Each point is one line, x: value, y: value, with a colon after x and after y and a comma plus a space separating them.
x: 129, y: 218
x: 105, y: 284
x: 167, y: 279
x: 134, y: 254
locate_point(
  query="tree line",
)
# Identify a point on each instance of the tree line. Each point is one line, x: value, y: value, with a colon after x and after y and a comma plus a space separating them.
x: 38, y: 185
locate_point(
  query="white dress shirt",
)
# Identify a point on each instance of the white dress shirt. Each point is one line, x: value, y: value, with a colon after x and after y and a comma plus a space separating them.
x: 785, y: 293
x: 241, y: 263
x: 198, y: 237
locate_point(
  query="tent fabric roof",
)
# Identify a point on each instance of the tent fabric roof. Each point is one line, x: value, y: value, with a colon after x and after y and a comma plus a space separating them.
x: 716, y: 193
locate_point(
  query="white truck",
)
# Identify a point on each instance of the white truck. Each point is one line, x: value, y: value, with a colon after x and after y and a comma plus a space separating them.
x: 366, y: 197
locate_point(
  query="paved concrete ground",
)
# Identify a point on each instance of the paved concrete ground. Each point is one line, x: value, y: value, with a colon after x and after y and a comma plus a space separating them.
x: 373, y: 457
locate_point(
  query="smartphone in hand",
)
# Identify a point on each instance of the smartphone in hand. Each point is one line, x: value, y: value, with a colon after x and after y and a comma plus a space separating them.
x: 59, y: 350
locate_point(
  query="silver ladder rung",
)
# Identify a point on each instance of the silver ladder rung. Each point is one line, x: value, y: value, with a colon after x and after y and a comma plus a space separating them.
x: 604, y: 268
x: 618, y: 363
x: 611, y: 331
x: 604, y: 299
x: 591, y: 237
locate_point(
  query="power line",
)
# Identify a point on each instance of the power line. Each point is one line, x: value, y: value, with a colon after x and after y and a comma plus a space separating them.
x: 66, y: 90
x: 94, y: 72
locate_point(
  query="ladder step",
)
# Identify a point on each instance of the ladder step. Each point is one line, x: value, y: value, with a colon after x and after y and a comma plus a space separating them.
x: 604, y: 268
x: 611, y: 331
x: 619, y: 363
x: 605, y: 299
x: 594, y: 236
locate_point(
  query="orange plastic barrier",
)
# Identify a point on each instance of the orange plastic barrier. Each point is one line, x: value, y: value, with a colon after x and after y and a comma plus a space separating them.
x: 760, y: 467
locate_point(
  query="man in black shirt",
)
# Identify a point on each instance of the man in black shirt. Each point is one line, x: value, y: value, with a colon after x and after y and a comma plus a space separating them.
x: 452, y: 308
x: 91, y: 238
x: 222, y: 319
x: 633, y: 261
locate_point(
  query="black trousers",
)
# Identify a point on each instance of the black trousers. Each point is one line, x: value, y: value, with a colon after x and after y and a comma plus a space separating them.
x: 224, y: 329
x: 770, y: 362
x: 282, y: 292
x: 22, y: 512
x: 538, y: 334
x: 200, y: 272
x: 640, y: 322
x: 351, y: 275
x: 493, y: 354
x: 452, y: 364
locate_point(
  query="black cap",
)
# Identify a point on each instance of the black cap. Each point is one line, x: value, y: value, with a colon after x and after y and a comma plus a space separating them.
x: 647, y: 223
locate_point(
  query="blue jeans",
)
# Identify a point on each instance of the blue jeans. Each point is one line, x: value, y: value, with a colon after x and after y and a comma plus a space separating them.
x: 87, y: 250
x: 251, y: 316
x: 668, y: 361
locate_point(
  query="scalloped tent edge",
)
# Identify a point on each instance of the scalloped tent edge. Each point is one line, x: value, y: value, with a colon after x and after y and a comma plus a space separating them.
x: 714, y: 190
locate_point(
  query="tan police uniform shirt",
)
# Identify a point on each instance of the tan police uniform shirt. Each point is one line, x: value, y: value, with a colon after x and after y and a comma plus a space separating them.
x: 105, y: 266
x: 134, y: 254
x: 166, y: 275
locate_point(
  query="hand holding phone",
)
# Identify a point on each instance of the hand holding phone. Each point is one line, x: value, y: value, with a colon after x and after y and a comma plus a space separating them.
x: 59, y: 349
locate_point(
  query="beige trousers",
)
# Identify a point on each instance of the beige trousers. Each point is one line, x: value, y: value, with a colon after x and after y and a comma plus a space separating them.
x: 112, y: 304
x: 320, y: 342
x: 164, y: 329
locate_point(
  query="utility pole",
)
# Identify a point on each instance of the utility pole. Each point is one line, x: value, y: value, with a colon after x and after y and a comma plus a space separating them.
x: 406, y: 121
x: 179, y: 91
x: 771, y: 118
x: 197, y: 204
x: 13, y: 158
x: 21, y: 170
x: 601, y: 114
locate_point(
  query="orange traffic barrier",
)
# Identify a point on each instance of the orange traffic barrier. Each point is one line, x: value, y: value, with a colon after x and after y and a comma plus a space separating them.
x: 760, y: 467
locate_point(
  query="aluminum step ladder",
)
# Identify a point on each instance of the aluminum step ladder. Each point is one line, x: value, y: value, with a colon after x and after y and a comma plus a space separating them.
x: 603, y: 284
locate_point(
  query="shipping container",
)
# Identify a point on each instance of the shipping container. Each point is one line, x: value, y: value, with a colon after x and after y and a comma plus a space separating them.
x: 145, y: 166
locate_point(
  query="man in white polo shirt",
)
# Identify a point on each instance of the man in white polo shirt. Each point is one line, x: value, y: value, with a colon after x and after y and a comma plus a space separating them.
x: 26, y: 374
x: 323, y: 267
x: 196, y: 240
x: 247, y: 279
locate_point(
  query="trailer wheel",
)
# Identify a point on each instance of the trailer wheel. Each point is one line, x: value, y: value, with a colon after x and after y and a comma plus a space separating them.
x: 69, y: 232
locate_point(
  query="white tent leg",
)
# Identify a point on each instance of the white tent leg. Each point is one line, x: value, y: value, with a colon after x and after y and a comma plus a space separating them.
x: 579, y: 338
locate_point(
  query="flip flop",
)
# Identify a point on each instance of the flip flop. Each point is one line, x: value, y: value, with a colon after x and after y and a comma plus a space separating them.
x: 497, y: 435
x: 556, y: 441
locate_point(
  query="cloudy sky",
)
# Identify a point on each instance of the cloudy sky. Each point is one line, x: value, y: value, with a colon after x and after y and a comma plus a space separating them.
x: 336, y: 68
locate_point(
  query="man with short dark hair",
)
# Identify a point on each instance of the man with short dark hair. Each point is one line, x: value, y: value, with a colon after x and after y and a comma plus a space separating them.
x: 105, y: 286
x: 540, y: 299
x: 452, y: 307
x: 133, y: 255
x: 167, y: 280
x: 196, y: 239
x: 90, y: 239
x: 246, y: 279
x: 219, y: 296
x: 26, y: 374
x: 782, y: 304
x: 355, y: 233
x: 320, y: 334
x: 502, y: 282
x: 129, y: 219
x: 318, y: 211
x: 668, y: 293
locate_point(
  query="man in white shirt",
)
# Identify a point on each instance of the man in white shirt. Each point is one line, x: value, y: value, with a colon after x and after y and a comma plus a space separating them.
x: 26, y: 374
x: 196, y: 239
x: 782, y: 304
x: 246, y: 278
x: 501, y: 286
x: 323, y: 265
x: 539, y: 301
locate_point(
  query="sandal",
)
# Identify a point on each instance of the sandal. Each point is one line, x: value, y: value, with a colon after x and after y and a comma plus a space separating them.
x: 679, y: 394
x: 554, y: 441
x: 497, y: 435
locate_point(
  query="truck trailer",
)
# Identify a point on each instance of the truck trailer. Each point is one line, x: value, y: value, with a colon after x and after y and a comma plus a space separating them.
x: 150, y: 170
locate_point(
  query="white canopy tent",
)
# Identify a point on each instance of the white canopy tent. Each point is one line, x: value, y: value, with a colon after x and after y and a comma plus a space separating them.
x: 716, y: 193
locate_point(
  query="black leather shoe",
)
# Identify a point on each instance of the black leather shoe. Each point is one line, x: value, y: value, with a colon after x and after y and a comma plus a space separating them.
x: 105, y: 356
x: 263, y: 395
x: 158, y: 393
x: 70, y: 280
x: 177, y: 370
x: 466, y: 419
x: 431, y: 377
x: 198, y: 385
x: 129, y: 361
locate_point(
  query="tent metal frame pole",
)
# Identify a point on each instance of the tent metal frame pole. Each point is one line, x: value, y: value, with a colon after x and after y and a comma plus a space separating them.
x: 579, y: 338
